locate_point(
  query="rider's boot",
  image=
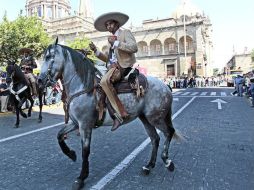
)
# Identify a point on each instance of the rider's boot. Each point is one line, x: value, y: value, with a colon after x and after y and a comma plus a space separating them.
x: 118, y: 119
x: 113, y: 115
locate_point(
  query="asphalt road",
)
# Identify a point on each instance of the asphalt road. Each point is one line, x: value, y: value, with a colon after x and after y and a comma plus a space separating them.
x: 216, y: 154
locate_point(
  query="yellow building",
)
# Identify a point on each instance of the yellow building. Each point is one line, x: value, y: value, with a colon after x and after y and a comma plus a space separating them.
x: 179, y: 45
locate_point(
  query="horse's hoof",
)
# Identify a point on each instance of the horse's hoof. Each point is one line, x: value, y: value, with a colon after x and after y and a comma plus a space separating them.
x: 72, y: 155
x: 39, y: 120
x: 78, y: 184
x: 16, y: 126
x: 145, y: 170
x: 170, y: 166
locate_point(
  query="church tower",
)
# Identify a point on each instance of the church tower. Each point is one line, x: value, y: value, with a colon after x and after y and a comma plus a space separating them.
x: 86, y: 9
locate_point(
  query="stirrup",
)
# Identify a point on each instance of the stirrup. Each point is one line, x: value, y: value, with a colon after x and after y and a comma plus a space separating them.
x: 118, y: 117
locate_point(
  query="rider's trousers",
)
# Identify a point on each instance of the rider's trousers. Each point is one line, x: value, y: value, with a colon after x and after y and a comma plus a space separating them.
x: 112, y: 76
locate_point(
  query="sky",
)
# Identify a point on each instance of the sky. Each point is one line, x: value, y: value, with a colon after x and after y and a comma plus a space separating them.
x: 232, y: 20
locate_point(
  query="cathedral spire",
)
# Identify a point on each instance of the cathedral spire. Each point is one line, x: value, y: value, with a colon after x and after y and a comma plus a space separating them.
x: 85, y: 9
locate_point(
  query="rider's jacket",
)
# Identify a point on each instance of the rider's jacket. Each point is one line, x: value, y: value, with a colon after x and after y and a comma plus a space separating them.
x: 28, y: 64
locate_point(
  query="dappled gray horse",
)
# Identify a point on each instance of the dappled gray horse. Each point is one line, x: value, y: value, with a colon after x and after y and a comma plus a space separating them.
x: 78, y: 76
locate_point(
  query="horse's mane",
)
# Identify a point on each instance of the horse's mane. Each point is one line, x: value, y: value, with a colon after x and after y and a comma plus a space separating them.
x: 84, y: 67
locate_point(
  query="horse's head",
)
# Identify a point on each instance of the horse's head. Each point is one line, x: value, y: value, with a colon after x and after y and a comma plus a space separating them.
x: 62, y: 62
x: 10, y: 71
x: 52, y: 66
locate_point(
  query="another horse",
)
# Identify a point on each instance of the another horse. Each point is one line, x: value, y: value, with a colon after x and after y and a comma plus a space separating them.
x: 20, y: 92
x: 78, y: 75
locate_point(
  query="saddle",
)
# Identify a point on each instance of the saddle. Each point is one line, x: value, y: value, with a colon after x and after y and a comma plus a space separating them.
x: 131, y: 82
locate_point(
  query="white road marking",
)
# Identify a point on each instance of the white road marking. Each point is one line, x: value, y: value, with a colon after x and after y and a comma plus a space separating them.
x: 219, y: 101
x: 203, y: 93
x: 194, y: 93
x: 213, y: 93
x: 127, y: 161
x: 175, y: 99
x: 186, y: 93
x: 29, y: 132
x: 223, y: 94
x: 176, y: 93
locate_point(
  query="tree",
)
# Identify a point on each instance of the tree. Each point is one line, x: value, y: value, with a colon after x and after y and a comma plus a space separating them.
x: 81, y: 43
x: 23, y: 32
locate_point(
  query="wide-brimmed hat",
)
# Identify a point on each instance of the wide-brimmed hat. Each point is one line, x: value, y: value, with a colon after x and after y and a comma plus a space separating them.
x: 25, y: 50
x: 99, y: 23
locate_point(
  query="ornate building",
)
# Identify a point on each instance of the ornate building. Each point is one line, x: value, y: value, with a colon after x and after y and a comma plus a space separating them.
x: 175, y: 46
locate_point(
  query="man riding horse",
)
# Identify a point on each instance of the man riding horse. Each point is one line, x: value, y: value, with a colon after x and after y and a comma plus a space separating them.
x: 27, y: 65
x: 121, y: 55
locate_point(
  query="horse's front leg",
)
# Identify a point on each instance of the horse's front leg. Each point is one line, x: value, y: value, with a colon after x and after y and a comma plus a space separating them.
x: 22, y: 101
x: 30, y: 98
x: 85, y: 141
x: 17, y: 115
x: 60, y: 137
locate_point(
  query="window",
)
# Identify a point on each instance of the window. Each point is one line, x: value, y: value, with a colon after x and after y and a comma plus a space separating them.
x: 59, y: 12
x: 49, y: 12
x: 39, y: 11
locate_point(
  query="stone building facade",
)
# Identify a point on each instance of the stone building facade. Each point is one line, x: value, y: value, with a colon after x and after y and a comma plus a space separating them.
x: 161, y: 43
x: 242, y: 62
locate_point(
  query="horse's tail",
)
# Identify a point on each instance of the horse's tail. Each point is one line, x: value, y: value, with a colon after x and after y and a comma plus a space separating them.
x: 177, y: 134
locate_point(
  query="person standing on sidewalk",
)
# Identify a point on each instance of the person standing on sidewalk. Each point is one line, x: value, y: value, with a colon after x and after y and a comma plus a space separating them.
x: 239, y: 85
x: 4, y: 95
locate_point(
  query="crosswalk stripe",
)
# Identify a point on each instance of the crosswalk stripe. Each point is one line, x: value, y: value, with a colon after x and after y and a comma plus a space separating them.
x: 194, y: 93
x: 186, y: 93
x: 203, y: 93
x: 176, y: 93
x: 191, y: 93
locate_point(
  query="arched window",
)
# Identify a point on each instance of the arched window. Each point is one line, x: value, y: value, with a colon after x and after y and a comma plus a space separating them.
x: 142, y: 49
x: 189, y: 44
x: 155, y: 47
x: 169, y: 46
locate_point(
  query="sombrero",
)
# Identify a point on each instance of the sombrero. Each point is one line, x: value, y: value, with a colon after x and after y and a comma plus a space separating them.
x: 25, y: 50
x: 99, y: 23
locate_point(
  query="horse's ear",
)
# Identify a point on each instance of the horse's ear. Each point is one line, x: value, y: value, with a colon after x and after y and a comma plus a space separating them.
x: 56, y: 40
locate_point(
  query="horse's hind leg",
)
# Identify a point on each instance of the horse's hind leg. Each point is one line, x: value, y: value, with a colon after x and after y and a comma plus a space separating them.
x: 155, y: 139
x: 60, y: 137
x: 40, y: 105
x: 168, y: 130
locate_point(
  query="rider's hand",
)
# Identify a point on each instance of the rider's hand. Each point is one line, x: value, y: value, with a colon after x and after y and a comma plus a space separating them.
x: 112, y: 39
x: 92, y: 47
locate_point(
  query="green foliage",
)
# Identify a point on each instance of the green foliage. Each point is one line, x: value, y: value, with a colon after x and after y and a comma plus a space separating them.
x: 81, y: 43
x: 23, y: 32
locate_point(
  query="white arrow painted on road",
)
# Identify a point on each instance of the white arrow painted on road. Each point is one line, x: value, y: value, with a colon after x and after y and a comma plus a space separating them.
x: 219, y: 101
x: 175, y: 99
